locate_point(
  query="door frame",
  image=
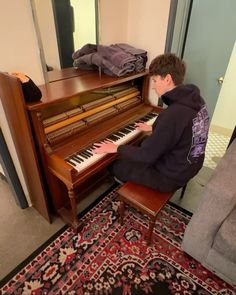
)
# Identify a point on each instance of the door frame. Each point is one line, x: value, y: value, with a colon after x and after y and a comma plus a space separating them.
x: 11, y: 175
x: 177, y: 28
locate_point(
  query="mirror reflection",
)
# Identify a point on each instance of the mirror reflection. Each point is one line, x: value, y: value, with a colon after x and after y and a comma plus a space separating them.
x: 64, y: 26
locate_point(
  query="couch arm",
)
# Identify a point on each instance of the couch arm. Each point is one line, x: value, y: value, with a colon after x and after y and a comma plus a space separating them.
x: 216, y: 204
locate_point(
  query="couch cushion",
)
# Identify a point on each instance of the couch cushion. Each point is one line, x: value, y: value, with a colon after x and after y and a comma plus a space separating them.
x: 225, y: 239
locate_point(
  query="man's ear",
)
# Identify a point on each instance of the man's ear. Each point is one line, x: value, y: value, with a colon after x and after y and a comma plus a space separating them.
x: 169, y: 79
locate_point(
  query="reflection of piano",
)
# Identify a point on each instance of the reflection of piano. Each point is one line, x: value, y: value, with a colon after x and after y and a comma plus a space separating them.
x: 74, y: 113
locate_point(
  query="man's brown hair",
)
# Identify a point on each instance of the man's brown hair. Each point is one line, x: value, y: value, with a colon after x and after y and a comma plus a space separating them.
x: 168, y: 63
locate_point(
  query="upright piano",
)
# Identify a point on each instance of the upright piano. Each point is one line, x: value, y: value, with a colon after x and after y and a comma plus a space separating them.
x: 75, y: 112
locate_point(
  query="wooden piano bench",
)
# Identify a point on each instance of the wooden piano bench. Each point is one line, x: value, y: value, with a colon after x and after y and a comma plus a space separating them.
x: 145, y: 200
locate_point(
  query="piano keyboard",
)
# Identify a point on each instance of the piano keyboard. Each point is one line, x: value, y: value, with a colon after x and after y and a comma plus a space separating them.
x: 85, y: 158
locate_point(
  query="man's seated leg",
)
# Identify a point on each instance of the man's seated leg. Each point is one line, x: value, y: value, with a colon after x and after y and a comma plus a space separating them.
x: 125, y: 170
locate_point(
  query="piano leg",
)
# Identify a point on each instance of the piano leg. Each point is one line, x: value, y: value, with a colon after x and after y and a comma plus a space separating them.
x: 75, y: 222
x: 70, y: 216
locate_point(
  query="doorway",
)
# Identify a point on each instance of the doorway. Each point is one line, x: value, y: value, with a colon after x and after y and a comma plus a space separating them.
x: 76, y: 25
x: 209, y: 42
x: 203, y: 34
x: 64, y: 23
x: 62, y: 27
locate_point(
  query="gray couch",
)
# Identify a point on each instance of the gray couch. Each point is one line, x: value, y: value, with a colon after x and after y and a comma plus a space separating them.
x: 210, y: 236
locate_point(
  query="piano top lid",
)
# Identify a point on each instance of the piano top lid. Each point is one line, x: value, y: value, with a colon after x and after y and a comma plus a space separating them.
x: 66, y: 73
x: 60, y: 90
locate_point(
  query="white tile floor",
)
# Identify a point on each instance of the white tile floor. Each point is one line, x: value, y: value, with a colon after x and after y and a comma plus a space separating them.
x: 27, y: 230
x: 216, y: 146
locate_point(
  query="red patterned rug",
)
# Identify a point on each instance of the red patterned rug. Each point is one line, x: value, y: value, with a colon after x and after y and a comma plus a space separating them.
x: 107, y: 258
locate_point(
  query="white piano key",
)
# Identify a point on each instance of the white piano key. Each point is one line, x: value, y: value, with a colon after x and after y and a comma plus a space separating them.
x: 96, y: 157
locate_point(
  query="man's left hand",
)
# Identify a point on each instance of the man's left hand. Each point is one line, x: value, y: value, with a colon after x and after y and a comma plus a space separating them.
x: 105, y: 147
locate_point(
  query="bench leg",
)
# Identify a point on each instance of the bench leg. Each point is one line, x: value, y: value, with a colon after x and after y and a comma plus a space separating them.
x: 150, y: 230
x: 183, y: 191
x: 121, y: 211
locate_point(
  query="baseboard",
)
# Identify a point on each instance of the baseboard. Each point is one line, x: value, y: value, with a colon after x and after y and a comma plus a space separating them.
x: 221, y: 130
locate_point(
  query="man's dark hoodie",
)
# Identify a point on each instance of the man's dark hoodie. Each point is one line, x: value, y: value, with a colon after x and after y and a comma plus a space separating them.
x: 31, y: 92
x: 175, y: 149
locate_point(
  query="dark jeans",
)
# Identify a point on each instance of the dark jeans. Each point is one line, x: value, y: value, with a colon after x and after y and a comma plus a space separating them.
x: 144, y: 174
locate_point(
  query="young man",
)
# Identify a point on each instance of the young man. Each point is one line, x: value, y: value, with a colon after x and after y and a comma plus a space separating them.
x: 174, y: 152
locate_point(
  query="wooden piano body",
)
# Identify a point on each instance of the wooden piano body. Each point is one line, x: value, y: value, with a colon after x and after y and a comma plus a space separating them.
x: 76, y: 110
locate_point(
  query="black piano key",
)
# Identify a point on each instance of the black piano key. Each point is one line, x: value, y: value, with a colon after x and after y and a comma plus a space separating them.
x: 149, y: 116
x: 81, y: 154
x: 153, y: 114
x: 146, y: 118
x: 71, y: 162
x: 109, y: 137
x: 75, y: 159
x: 112, y: 137
x: 90, y: 150
x: 80, y: 158
x: 117, y: 135
x: 141, y: 119
x: 130, y: 128
x: 124, y: 130
x: 87, y: 153
x: 120, y: 134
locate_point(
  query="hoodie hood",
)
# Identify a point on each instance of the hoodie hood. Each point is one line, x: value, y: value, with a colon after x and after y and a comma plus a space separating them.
x: 187, y: 95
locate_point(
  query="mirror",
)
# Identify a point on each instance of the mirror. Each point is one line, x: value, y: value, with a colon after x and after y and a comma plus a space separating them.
x: 64, y: 26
